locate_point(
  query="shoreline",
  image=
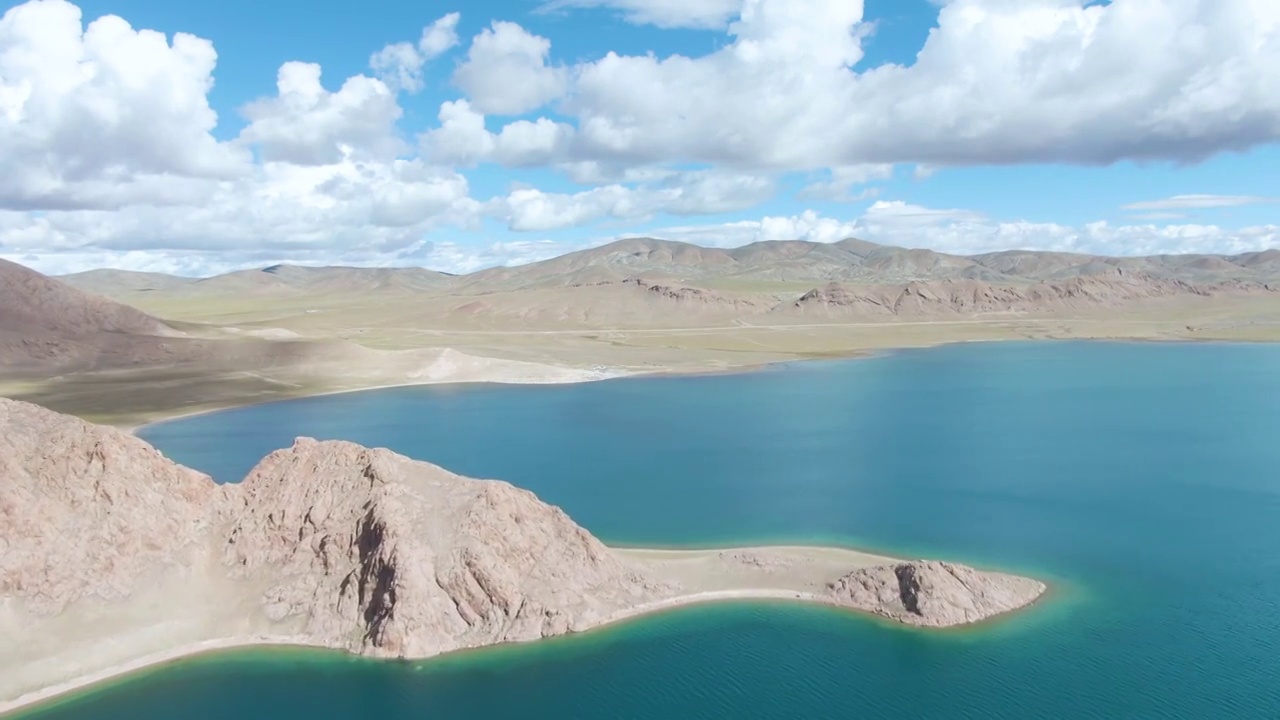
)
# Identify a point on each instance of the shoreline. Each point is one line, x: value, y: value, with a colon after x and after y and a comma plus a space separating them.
x: 619, y: 373
x: 184, y: 415
x: 14, y: 708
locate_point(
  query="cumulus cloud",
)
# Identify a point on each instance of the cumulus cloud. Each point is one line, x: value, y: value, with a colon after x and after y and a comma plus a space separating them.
x: 104, y: 115
x: 506, y: 71
x: 282, y: 212
x: 107, y: 135
x: 965, y: 233
x: 399, y: 65
x: 464, y: 139
x: 1198, y: 202
x: 699, y: 14
x: 308, y: 125
x: 691, y: 193
x: 996, y: 82
x: 806, y: 226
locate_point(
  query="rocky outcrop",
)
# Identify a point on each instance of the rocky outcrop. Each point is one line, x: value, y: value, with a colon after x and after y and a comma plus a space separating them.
x: 110, y: 552
x: 964, y: 298
x: 390, y: 556
x: 933, y: 593
x: 86, y: 511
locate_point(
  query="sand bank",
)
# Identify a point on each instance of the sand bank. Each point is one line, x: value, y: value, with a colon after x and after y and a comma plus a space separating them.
x: 790, y: 573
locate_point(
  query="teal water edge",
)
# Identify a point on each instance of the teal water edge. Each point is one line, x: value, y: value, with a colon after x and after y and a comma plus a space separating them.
x: 1142, y: 480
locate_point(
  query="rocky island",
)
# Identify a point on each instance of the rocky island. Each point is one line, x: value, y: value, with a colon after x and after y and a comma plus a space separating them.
x: 113, y: 557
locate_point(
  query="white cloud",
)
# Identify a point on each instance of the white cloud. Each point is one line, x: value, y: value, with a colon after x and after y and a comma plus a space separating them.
x: 465, y: 258
x: 996, y: 82
x: 463, y: 139
x: 104, y: 115
x: 904, y: 214
x: 701, y: 14
x: 806, y: 226
x: 399, y: 65
x: 506, y: 71
x: 313, y: 226
x: 839, y: 186
x: 965, y: 232
x: 439, y: 36
x: 527, y: 209
x: 347, y: 211
x: 107, y: 136
x: 1198, y: 202
x: 691, y: 193
x: 308, y: 125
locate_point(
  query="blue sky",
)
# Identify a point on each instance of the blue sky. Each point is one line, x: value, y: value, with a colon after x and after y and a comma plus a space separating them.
x: 519, y: 129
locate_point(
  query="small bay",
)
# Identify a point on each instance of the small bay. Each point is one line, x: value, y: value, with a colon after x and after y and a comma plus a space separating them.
x: 1141, y: 480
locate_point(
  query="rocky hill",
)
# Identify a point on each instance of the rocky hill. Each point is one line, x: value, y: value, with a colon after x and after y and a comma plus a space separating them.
x: 31, y: 302
x: 110, y: 552
x: 932, y: 593
x: 783, y: 261
x: 969, y: 298
x: 385, y: 555
x: 48, y: 326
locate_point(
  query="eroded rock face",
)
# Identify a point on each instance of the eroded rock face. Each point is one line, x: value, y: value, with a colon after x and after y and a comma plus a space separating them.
x: 934, y: 593
x: 964, y: 297
x: 384, y: 555
x: 86, y: 510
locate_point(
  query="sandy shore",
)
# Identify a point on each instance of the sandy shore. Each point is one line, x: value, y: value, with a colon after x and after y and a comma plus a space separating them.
x: 555, y: 375
x: 789, y: 573
x: 151, y: 660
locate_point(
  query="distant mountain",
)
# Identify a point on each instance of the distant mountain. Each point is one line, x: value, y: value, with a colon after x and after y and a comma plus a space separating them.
x: 110, y: 282
x: 354, y: 279
x: 857, y: 261
x: 31, y: 302
x: 276, y: 279
x: 46, y: 325
x: 959, y: 298
x: 786, y: 262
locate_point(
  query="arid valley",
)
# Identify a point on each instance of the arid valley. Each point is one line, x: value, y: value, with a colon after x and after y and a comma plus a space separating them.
x: 181, y: 345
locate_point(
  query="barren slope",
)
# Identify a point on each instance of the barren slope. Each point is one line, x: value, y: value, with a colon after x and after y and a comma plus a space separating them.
x: 32, y: 302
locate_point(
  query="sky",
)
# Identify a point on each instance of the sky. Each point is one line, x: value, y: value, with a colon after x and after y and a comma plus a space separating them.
x: 203, y: 137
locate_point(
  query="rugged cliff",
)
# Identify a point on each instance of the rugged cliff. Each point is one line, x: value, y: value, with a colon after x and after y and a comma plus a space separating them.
x: 934, y: 594
x: 384, y: 555
x: 965, y: 298
x: 86, y: 511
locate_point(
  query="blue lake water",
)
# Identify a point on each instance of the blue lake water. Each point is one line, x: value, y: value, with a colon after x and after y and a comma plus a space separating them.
x: 1142, y: 480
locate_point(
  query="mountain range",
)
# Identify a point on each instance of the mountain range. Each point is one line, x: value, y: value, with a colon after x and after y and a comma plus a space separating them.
x: 755, y: 265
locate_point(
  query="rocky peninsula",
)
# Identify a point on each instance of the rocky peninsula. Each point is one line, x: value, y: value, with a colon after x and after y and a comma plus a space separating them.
x: 113, y: 557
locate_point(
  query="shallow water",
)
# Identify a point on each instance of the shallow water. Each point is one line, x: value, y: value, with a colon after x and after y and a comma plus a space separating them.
x: 1142, y: 480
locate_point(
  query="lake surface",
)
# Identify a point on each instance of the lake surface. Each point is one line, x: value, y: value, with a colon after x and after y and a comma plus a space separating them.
x: 1142, y: 480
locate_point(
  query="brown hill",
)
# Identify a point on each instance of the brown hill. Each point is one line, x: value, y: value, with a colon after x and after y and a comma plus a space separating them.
x: 113, y: 283
x: 32, y: 302
x: 967, y: 298
x: 48, y: 326
x: 680, y: 263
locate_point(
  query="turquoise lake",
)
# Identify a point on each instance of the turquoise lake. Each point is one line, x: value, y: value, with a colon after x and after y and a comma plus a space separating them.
x: 1141, y: 480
